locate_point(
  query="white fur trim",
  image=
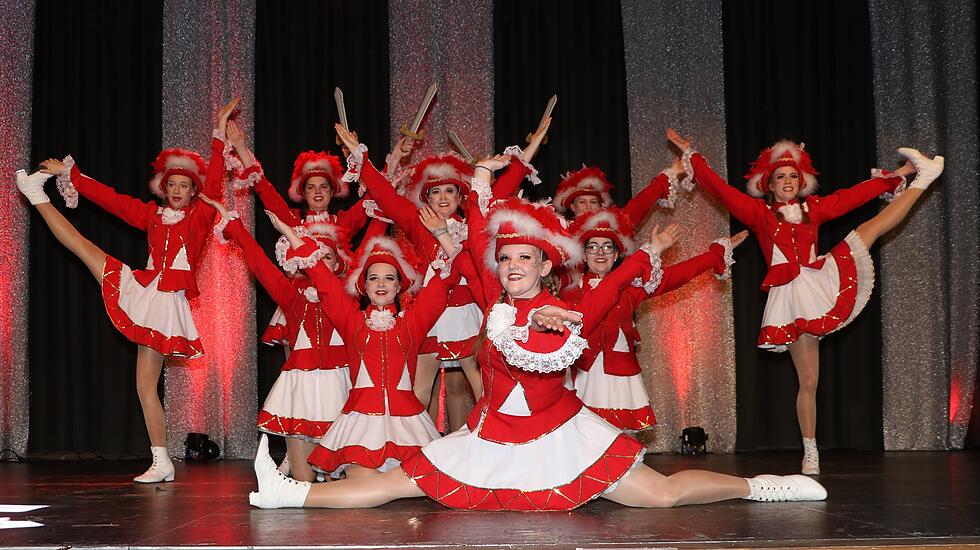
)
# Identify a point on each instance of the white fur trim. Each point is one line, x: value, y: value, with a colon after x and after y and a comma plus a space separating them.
x: 392, y: 247
x: 65, y: 187
x: 609, y: 218
x: 588, y: 184
x: 793, y: 213
x: 516, y: 152
x: 219, y: 228
x: 529, y: 226
x: 726, y: 243
x: 656, y: 271
x: 174, y: 162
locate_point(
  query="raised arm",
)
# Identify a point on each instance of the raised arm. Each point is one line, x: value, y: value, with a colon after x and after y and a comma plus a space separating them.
x: 838, y: 203
x: 131, y: 210
x: 747, y: 210
x: 265, y: 271
x: 430, y: 303
x: 252, y: 172
x: 640, y: 206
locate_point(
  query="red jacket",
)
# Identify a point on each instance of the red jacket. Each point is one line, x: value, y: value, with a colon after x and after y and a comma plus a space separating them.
x: 619, y: 352
x: 382, y: 362
x: 788, y: 246
x: 314, y: 343
x: 175, y: 250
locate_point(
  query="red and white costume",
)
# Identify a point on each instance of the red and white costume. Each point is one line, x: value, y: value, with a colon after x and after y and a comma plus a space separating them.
x: 382, y: 422
x: 455, y: 334
x: 313, y: 384
x: 308, y: 164
x: 529, y: 444
x: 808, y: 294
x: 607, y: 377
x: 149, y: 306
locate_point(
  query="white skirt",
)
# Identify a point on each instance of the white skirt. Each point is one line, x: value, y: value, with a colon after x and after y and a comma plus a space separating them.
x: 157, y: 319
x: 304, y: 403
x: 620, y: 400
x: 378, y: 442
x: 819, y: 301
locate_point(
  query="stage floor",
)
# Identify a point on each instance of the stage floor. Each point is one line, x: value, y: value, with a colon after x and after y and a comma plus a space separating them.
x: 926, y: 498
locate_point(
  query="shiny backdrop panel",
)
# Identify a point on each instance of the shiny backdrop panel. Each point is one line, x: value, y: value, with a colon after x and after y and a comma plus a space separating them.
x: 673, y: 74
x: 925, y: 78
x: 16, y: 59
x: 208, y: 58
x: 449, y: 44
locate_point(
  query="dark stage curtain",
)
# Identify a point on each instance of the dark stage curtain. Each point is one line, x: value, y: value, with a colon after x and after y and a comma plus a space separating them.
x: 573, y: 49
x: 97, y: 75
x: 803, y: 71
x: 304, y: 50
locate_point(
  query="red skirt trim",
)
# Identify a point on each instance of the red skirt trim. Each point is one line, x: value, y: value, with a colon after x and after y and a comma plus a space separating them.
x: 326, y: 460
x: 291, y: 427
x: 449, y: 351
x: 624, y: 419
x: 609, y: 469
x: 169, y: 346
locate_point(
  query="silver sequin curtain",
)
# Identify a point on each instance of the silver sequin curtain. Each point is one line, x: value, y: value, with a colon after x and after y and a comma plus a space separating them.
x: 926, y: 97
x: 208, y: 58
x: 674, y: 74
x: 450, y: 44
x: 16, y: 61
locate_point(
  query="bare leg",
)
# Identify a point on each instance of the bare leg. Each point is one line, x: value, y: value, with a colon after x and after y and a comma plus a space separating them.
x: 646, y: 488
x: 149, y: 365
x: 353, y: 471
x: 889, y: 217
x: 455, y: 399
x: 472, y: 371
x: 425, y: 375
x: 298, y: 451
x: 806, y: 358
x: 92, y: 256
x: 363, y: 492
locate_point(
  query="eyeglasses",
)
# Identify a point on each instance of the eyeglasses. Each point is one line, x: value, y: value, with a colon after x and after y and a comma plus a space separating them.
x: 594, y: 248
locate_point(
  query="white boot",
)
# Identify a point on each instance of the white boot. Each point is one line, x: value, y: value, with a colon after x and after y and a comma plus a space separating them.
x: 32, y: 186
x: 771, y: 488
x: 926, y: 169
x: 162, y: 468
x: 811, y: 457
x: 284, y: 467
x: 275, y: 489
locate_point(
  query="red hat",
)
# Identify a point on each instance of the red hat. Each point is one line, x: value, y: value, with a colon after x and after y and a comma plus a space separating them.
x: 381, y: 249
x: 782, y: 153
x: 439, y: 170
x: 589, y: 180
x: 516, y: 221
x: 180, y: 162
x: 608, y: 223
x: 331, y: 235
x: 309, y: 164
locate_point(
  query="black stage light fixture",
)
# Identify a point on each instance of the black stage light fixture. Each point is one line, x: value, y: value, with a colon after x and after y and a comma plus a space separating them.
x: 694, y: 441
x: 199, y: 448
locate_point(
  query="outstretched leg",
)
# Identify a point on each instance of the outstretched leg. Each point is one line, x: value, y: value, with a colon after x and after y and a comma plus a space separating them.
x: 927, y: 170
x: 92, y: 256
x: 646, y: 488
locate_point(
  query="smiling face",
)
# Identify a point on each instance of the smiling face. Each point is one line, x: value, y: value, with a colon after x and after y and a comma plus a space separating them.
x: 785, y: 183
x: 584, y: 203
x: 179, y: 191
x: 331, y: 260
x: 520, y: 268
x: 600, y: 255
x: 317, y: 192
x: 443, y: 199
x: 382, y: 284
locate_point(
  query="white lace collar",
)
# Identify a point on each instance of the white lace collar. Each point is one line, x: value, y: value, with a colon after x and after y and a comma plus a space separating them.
x: 380, y: 319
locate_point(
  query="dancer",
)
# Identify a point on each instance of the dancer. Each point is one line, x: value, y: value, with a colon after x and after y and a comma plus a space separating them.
x: 810, y: 296
x: 440, y: 183
x: 148, y: 306
x: 530, y: 444
x: 314, y: 382
x: 382, y: 422
x: 588, y: 190
x: 607, y: 377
